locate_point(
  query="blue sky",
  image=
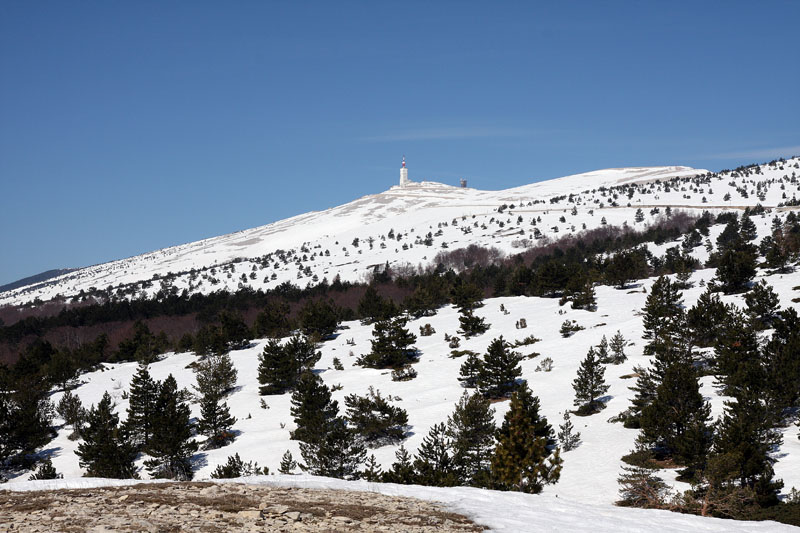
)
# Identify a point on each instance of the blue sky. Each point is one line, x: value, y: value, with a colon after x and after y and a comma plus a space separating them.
x: 131, y: 126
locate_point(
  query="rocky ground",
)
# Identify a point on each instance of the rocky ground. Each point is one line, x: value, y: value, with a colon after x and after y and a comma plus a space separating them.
x: 208, y: 507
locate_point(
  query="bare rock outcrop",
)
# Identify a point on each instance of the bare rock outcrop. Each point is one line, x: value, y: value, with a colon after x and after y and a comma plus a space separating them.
x: 229, y: 507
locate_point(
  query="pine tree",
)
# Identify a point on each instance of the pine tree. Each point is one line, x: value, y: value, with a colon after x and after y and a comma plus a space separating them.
x: 373, y: 307
x: 602, y: 351
x: 531, y: 406
x: 374, y: 419
x: 105, y: 450
x: 288, y: 464
x: 705, y: 318
x: 319, y: 319
x: 327, y: 446
x: 777, y: 250
x: 171, y: 446
x: 402, y: 471
x: 617, y: 346
x: 470, y: 370
x: 568, y: 438
x: 590, y: 384
x: 730, y: 235
x: 235, y: 468
x: 372, y: 470
x: 645, y: 392
x: 471, y: 325
x: 46, y: 470
x: 782, y: 365
x: 25, y: 413
x: 234, y: 331
x: 471, y: 431
x: 336, y: 453
x: 736, y: 268
x: 521, y: 460
x: 273, y: 321
x: 312, y: 407
x: 748, y: 230
x: 743, y: 442
x: 215, y: 421
x: 676, y: 421
x: 142, y: 397
x: 71, y: 410
x: 277, y: 369
x: 640, y: 487
x: 672, y: 346
x: 391, y: 345
x: 420, y: 303
x: 662, y: 308
x: 280, y: 366
x: 738, y: 363
x: 500, y: 370
x: 762, y: 305
x: 467, y: 297
x: 433, y: 463
x: 215, y: 375
x: 580, y: 290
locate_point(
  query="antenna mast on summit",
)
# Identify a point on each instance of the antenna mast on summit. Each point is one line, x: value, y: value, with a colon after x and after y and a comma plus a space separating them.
x: 403, y: 173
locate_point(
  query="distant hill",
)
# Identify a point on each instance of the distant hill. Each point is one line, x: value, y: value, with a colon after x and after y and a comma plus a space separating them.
x: 37, y: 278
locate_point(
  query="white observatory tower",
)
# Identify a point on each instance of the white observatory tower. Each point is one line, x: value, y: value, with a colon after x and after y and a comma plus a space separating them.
x: 404, y: 174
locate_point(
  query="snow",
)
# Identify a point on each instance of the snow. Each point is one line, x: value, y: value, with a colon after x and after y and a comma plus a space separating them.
x: 584, y: 497
x: 589, y: 473
x: 412, y: 211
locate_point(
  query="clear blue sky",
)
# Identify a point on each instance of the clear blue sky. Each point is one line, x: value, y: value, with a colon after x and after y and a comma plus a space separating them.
x: 131, y: 126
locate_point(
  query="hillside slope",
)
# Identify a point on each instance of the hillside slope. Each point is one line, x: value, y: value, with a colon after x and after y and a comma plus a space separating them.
x: 509, y: 220
x: 410, y: 211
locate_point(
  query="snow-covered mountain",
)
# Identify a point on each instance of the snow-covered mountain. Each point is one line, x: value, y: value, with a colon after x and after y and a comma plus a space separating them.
x: 409, y: 226
x: 392, y: 227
